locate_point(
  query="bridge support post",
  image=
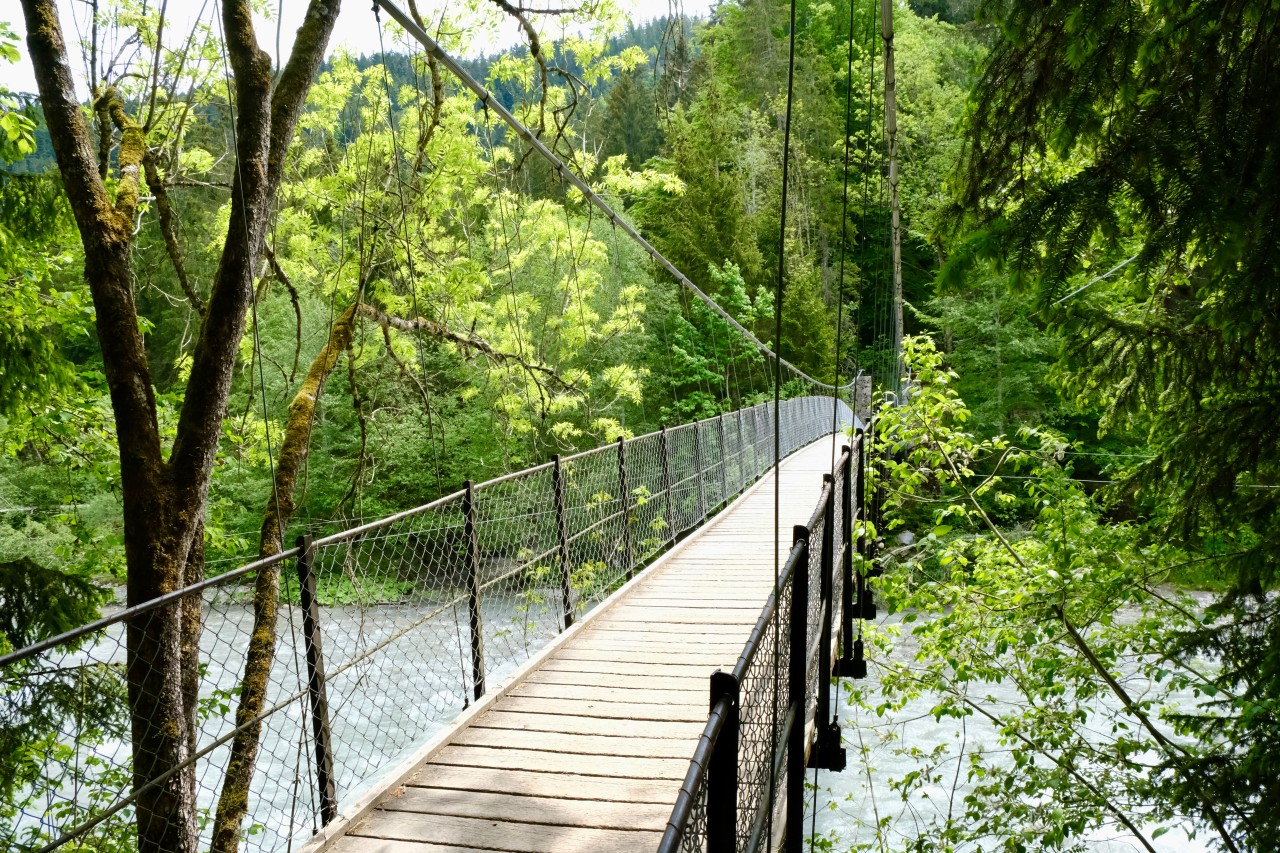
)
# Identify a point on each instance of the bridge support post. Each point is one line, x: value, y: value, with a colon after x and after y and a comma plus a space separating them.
x: 793, y: 839
x: 316, y: 692
x: 666, y: 485
x: 850, y: 665
x: 827, y: 752
x: 867, y: 547
x: 741, y: 445
x: 724, y: 461
x: 697, y: 464
x: 722, y: 769
x: 628, y: 549
x: 562, y: 536
x: 473, y: 589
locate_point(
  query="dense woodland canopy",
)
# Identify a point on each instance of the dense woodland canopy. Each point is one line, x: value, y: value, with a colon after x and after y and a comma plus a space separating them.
x: 240, y: 301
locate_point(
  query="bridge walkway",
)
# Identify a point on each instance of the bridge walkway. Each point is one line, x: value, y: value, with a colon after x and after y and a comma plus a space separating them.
x: 585, y: 747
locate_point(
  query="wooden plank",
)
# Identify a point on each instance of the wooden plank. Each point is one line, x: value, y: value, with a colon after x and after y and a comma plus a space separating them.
x: 601, y: 679
x: 669, y: 615
x: 712, y: 632
x: 624, y: 695
x: 633, y: 668
x: 574, y: 724
x: 499, y: 835
x: 646, y: 643
x: 690, y: 658
x: 485, y: 805
x: 576, y: 744
x: 533, y: 784
x: 610, y: 710
x: 356, y: 844
x: 667, y: 599
x: 537, y: 761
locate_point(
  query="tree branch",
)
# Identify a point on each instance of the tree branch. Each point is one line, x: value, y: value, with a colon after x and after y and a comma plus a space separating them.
x: 279, y: 273
x: 466, y: 343
x: 264, y: 125
x: 165, y: 209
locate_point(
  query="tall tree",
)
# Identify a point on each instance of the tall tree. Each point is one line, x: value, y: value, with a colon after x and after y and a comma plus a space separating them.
x: 1099, y: 126
x: 165, y: 494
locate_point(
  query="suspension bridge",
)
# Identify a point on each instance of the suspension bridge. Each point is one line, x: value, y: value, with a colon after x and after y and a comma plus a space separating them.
x: 627, y: 649
x: 631, y: 648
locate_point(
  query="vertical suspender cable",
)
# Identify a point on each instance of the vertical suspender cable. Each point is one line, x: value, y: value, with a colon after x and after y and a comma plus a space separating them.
x: 835, y: 379
x: 777, y: 391
x: 844, y: 241
x: 895, y: 228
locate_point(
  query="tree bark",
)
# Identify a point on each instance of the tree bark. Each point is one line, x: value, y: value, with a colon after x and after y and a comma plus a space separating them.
x: 164, y: 500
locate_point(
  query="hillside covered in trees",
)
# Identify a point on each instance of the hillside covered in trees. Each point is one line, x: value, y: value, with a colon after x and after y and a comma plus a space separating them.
x: 241, y: 300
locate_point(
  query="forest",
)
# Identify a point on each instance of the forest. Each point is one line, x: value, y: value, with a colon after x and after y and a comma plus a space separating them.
x: 248, y: 295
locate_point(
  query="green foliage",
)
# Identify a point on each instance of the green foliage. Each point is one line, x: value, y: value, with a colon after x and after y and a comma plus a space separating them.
x: 1066, y: 612
x: 1122, y: 160
x: 1002, y: 355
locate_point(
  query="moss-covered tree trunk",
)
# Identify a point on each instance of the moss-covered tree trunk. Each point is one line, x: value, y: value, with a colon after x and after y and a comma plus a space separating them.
x: 165, y: 497
x: 233, y: 803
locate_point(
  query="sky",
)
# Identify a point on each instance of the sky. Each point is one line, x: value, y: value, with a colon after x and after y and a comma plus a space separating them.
x: 356, y: 30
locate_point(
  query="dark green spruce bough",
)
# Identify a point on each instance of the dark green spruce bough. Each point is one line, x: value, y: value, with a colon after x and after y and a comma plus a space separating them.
x: 1104, y: 131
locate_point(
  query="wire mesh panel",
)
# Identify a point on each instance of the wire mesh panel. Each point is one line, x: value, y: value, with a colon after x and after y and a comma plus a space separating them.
x: 763, y: 707
x: 651, y: 525
x: 813, y: 622
x: 596, y: 525
x: 65, y: 716
x: 694, y: 839
x: 685, y: 477
x: 520, y: 581
x: 837, y: 573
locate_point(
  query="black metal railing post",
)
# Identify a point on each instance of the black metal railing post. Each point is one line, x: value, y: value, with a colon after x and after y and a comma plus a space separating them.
x: 697, y: 466
x: 742, y: 451
x: 793, y: 840
x: 666, y: 485
x: 473, y: 588
x: 850, y: 588
x: 827, y: 752
x: 562, y: 538
x: 628, y: 550
x: 722, y: 770
x: 724, y: 461
x: 316, y: 692
x: 867, y: 547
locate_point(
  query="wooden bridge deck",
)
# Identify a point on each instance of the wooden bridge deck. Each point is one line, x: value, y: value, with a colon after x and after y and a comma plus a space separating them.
x: 585, y: 747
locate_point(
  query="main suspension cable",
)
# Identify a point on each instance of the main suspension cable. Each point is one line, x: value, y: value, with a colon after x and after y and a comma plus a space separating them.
x: 490, y: 102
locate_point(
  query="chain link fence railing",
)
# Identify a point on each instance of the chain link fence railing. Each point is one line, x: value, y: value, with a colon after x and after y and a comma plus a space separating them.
x: 769, y: 715
x: 383, y: 634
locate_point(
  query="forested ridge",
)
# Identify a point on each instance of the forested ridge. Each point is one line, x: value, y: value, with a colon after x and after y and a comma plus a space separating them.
x: 242, y: 299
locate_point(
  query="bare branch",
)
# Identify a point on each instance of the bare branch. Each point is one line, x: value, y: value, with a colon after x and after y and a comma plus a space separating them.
x: 165, y: 209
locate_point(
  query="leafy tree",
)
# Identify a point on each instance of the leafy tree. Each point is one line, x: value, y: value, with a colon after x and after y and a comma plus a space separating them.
x: 1064, y: 610
x: 165, y: 494
x: 1098, y: 127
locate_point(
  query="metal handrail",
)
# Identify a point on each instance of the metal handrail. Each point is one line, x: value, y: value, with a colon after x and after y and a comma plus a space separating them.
x: 19, y: 655
x: 696, y: 776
